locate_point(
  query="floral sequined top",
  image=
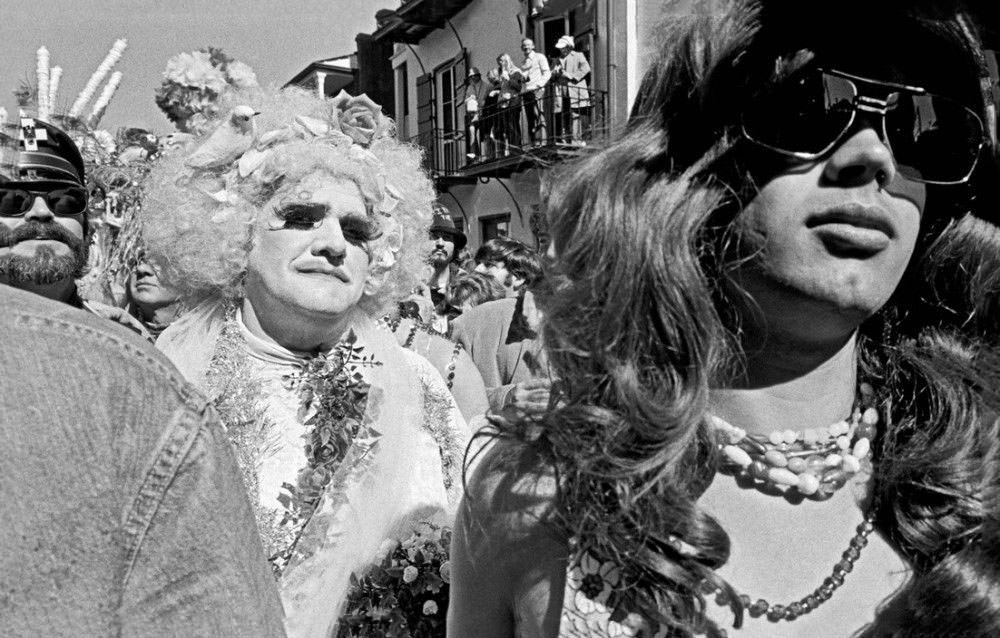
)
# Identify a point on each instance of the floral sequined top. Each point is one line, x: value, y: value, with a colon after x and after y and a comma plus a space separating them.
x: 272, y: 451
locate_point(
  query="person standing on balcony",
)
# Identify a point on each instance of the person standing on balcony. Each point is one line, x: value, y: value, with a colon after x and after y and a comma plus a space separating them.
x: 475, y: 100
x: 508, y: 124
x: 572, y: 70
x: 490, y: 125
x: 536, y: 73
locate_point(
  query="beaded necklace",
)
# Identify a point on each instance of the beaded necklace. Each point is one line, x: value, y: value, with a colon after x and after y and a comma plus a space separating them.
x: 813, y: 463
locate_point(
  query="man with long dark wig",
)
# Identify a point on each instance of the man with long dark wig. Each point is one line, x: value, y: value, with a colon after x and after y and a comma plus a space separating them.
x: 773, y: 323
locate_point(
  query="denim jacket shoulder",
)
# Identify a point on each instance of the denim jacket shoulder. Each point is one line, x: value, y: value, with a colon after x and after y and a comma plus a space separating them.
x: 86, y: 400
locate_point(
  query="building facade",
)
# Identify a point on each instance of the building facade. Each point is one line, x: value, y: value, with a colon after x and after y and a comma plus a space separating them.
x: 487, y: 163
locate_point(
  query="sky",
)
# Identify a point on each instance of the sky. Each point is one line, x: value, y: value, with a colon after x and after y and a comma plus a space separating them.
x: 277, y: 38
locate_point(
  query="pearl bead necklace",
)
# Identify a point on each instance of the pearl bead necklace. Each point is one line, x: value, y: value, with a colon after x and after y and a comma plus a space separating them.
x: 814, y: 463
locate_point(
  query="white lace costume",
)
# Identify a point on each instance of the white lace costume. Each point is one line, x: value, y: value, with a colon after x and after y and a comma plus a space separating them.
x: 408, y: 471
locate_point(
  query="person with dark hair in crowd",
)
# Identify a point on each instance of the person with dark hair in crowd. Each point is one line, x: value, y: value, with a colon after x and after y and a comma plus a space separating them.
x: 511, y: 263
x: 502, y: 338
x: 124, y: 512
x: 43, y: 216
x: 502, y: 335
x: 152, y: 302
x: 429, y: 303
x: 448, y: 242
x: 773, y: 319
x: 473, y: 289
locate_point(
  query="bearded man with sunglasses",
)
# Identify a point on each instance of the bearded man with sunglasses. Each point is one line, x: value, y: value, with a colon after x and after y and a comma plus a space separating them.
x: 43, y: 217
x: 43, y: 211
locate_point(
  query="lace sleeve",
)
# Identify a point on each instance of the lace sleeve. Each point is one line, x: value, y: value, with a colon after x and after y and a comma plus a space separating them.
x: 443, y: 420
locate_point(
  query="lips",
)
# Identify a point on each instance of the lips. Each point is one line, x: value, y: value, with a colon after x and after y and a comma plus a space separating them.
x: 327, y: 271
x: 853, y: 230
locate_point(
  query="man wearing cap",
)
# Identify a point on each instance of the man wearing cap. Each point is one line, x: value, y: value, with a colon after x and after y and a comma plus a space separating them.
x: 43, y: 215
x: 571, y: 71
x: 448, y: 241
x: 43, y: 210
x: 476, y: 92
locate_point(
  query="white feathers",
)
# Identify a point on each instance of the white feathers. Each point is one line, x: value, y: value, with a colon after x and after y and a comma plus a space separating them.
x: 234, y: 137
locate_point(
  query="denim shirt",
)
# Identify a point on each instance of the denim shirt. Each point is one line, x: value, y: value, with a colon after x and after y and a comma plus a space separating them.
x: 122, y: 512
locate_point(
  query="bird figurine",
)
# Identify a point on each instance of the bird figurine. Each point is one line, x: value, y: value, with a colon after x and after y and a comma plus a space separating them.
x: 234, y: 137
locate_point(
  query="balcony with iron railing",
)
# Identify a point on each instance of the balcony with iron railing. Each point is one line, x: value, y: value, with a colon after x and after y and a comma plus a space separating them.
x: 495, y: 141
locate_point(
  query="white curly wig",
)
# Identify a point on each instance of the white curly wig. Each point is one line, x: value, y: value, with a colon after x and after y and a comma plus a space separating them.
x: 198, y: 226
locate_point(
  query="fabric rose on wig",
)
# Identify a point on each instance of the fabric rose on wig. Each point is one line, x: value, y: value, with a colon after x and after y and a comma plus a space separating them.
x: 361, y: 119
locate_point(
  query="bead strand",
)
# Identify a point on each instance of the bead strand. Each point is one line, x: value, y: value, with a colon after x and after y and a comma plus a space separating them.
x: 823, y: 593
x: 815, y: 463
x: 451, y: 364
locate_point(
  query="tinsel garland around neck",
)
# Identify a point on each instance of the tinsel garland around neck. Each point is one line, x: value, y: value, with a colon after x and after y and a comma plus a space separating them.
x: 333, y: 396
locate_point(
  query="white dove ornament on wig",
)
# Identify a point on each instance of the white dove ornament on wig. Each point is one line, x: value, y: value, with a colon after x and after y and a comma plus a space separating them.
x: 234, y: 137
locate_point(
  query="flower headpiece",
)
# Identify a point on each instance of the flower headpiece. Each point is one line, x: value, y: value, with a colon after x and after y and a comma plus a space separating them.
x: 193, y: 83
x: 352, y: 124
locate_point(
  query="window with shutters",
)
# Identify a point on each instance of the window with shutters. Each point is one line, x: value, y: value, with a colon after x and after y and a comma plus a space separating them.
x: 425, y: 119
x: 448, y: 99
x: 450, y: 86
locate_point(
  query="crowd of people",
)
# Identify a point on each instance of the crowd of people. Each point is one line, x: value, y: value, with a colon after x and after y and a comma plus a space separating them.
x: 554, y: 97
x: 750, y: 388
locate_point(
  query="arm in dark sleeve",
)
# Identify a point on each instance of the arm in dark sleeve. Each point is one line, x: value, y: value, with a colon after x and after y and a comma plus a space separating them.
x: 198, y: 568
x: 481, y: 338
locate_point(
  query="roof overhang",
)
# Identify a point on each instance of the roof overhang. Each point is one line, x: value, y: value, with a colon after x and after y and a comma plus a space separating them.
x: 411, y: 23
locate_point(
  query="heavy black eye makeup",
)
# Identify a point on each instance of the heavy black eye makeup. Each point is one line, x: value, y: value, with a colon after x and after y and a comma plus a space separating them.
x: 301, y: 216
x: 357, y: 229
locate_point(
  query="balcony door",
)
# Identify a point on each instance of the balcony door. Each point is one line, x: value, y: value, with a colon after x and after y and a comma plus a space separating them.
x: 450, y: 81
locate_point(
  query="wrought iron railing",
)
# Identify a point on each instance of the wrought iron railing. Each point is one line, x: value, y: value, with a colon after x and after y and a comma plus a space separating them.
x: 562, y: 121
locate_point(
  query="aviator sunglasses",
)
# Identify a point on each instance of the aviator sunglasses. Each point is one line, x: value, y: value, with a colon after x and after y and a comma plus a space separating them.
x: 933, y: 139
x: 64, y: 202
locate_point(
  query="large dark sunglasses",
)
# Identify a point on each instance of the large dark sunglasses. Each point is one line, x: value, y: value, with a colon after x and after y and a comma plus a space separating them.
x: 933, y: 139
x: 64, y: 202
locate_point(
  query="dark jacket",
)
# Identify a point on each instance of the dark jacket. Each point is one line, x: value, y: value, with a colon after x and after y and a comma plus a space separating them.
x: 504, y: 349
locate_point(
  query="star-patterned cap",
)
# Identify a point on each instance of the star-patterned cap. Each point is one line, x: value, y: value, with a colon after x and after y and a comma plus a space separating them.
x: 32, y: 150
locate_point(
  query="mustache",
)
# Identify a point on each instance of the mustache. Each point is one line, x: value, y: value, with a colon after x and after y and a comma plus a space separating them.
x: 39, y: 230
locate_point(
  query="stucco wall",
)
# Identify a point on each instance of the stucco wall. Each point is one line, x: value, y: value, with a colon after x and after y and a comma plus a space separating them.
x: 486, y: 28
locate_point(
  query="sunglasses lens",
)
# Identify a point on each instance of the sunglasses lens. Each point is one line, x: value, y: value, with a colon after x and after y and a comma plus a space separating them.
x: 933, y: 138
x: 14, y: 202
x: 69, y: 201
x: 804, y: 115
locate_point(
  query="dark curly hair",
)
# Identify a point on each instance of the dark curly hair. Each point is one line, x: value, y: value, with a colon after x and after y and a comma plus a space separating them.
x: 639, y: 323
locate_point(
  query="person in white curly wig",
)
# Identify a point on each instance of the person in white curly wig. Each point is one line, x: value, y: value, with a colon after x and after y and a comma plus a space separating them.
x: 299, y: 221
